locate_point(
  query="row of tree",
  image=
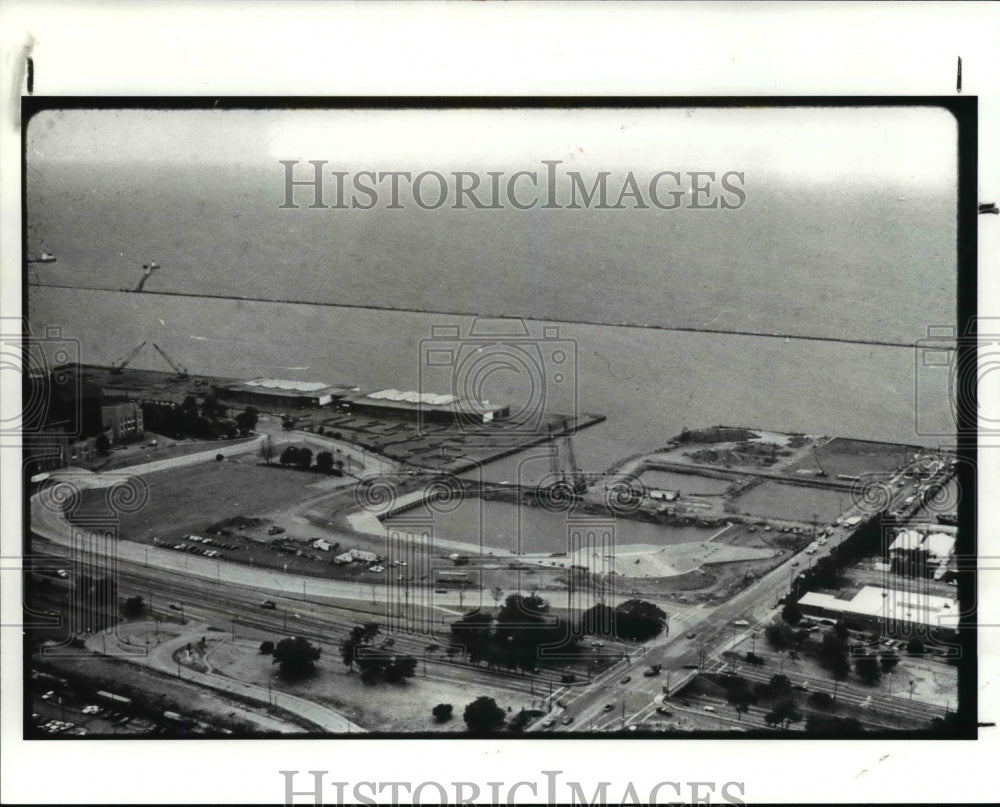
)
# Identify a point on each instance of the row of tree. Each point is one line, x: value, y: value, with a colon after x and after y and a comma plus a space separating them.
x: 375, y: 663
x: 208, y: 420
x: 517, y: 637
x: 302, y: 457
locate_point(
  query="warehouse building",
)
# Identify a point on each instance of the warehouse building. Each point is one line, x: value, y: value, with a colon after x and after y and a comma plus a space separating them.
x: 427, y: 407
x: 282, y: 392
x: 887, y: 610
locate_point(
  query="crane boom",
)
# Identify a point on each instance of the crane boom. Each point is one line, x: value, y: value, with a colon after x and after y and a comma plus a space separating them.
x: 182, y: 372
x: 822, y: 470
x: 116, y: 369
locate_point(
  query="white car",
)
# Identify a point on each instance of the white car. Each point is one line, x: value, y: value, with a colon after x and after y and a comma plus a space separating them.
x: 91, y: 710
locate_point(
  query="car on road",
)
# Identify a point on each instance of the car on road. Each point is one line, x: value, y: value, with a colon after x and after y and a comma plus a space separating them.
x: 567, y: 720
x: 608, y: 707
x: 440, y: 591
x: 663, y: 710
x: 626, y: 679
x: 741, y: 623
x: 548, y: 723
x: 597, y: 644
x: 48, y: 695
x: 800, y: 687
x: 795, y: 563
x: 708, y: 708
x: 91, y: 710
x: 174, y: 607
x: 692, y: 635
x: 270, y: 604
x: 62, y: 573
x: 690, y: 666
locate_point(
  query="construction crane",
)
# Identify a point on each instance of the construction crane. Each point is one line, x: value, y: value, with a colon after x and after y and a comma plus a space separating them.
x: 574, y: 479
x: 182, y: 372
x: 579, y: 482
x: 821, y: 471
x: 117, y: 369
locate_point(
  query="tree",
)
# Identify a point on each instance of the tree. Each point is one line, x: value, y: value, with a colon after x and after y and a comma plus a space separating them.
x: 784, y: 713
x: 833, y: 655
x: 638, y: 620
x: 296, y: 657
x: 267, y: 449
x: 740, y: 697
x: 304, y: 458
x: 133, y: 606
x: 267, y: 647
x: 821, y: 700
x: 597, y: 620
x: 887, y: 661
x: 360, y: 636
x: 324, y: 462
x: 781, y: 684
x: 246, y: 420
x: 289, y: 456
x: 821, y: 724
x: 442, y: 712
x: 483, y: 716
x: 102, y: 444
x: 777, y: 636
x: 867, y: 669
x: 915, y: 647
x: 791, y: 613
x: 399, y: 668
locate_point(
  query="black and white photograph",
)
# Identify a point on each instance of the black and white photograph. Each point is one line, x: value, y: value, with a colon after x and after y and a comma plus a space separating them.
x: 626, y: 419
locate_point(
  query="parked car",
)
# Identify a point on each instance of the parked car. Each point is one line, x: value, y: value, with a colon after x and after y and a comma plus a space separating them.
x: 270, y: 604
x: 608, y: 707
x: 567, y: 720
x: 663, y: 710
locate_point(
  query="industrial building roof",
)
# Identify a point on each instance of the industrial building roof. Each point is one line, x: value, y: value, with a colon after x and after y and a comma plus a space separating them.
x: 938, y: 544
x: 427, y: 398
x: 285, y: 384
x: 903, y: 606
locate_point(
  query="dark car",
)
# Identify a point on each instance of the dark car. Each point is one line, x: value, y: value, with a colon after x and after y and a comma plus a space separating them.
x: 626, y: 679
x: 269, y: 604
x: 567, y: 720
x: 663, y: 710
x: 608, y: 707
x: 692, y: 635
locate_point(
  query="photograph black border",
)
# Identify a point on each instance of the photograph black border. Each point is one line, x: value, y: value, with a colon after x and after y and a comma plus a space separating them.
x: 965, y: 111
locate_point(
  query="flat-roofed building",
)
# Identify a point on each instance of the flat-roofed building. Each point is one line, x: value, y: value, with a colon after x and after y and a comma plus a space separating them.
x: 282, y: 392
x: 122, y: 421
x: 892, y: 611
x: 426, y: 406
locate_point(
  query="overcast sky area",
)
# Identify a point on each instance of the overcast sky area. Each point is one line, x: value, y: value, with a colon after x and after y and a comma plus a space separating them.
x: 854, y: 146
